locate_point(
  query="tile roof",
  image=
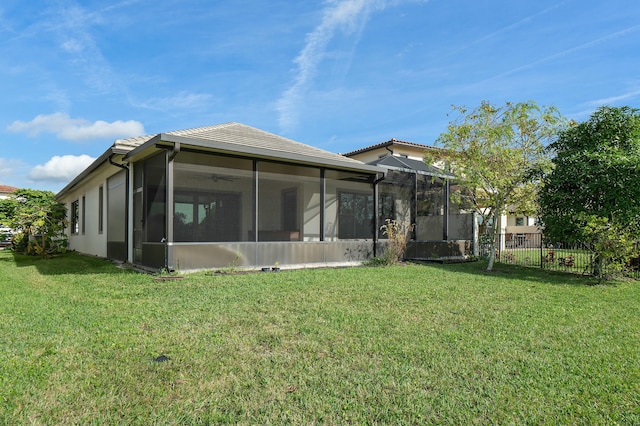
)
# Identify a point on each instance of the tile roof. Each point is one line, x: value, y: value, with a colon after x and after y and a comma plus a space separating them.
x: 390, y: 142
x: 406, y: 164
x: 6, y: 189
x: 236, y: 137
x: 233, y: 138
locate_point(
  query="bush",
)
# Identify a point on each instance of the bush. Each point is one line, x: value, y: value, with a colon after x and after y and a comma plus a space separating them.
x: 613, y: 246
x: 20, y: 242
x: 398, y: 234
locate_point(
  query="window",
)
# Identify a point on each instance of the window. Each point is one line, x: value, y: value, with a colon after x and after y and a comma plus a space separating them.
x: 355, y: 215
x: 207, y: 216
x: 100, y: 209
x: 519, y: 221
x: 288, y: 202
x: 75, y: 216
x: 213, y: 198
x: 386, y: 207
x: 348, y: 205
x: 290, y: 209
x: 84, y: 209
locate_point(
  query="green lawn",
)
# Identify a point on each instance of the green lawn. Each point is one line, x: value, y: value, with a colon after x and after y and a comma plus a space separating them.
x: 446, y: 344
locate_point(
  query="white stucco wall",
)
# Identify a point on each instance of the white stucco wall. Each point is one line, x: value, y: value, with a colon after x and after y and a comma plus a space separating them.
x: 91, y: 241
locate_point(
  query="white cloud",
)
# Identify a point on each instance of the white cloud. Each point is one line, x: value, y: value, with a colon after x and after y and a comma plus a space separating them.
x: 77, y: 129
x: 348, y: 16
x: 60, y: 168
x: 8, y: 167
x: 72, y: 46
x: 614, y: 99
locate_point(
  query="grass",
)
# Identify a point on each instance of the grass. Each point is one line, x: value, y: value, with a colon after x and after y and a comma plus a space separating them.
x: 446, y: 344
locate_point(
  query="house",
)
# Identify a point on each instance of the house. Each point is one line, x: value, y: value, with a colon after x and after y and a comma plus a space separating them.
x: 6, y: 191
x: 419, y: 193
x: 225, y: 195
x: 518, y: 230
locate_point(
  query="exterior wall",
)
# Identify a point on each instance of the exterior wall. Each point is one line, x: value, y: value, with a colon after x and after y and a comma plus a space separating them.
x: 528, y: 227
x: 521, y: 230
x: 411, y: 152
x: 194, y: 256
x: 91, y: 241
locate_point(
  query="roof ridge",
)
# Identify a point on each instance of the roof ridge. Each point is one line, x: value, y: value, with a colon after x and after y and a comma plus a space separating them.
x: 202, y: 128
x: 388, y: 143
x: 8, y: 188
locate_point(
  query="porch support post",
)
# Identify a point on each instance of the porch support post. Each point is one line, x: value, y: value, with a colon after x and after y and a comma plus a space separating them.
x: 445, y: 218
x: 323, y: 190
x: 376, y: 215
x: 170, y: 197
x: 170, y: 156
x: 255, y: 202
x: 414, y: 207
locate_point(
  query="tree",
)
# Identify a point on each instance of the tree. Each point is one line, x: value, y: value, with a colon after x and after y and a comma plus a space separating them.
x: 593, y: 193
x: 39, y: 219
x: 498, y: 157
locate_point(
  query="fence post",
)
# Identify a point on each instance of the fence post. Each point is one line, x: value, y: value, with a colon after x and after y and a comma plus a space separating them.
x: 541, y: 239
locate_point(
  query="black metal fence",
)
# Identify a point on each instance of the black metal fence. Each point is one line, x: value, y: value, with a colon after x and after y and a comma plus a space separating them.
x: 531, y: 250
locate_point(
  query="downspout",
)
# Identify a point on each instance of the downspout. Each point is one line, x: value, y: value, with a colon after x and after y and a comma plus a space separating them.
x: 125, y: 167
x: 169, y: 208
x: 388, y: 149
x: 113, y: 163
x: 174, y: 151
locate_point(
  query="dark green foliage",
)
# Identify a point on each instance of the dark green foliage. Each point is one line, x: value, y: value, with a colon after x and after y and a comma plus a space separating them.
x: 39, y: 219
x: 593, y: 193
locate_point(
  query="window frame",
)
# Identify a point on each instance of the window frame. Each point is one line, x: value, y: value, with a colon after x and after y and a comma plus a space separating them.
x: 344, y: 234
x: 100, y: 209
x: 74, y: 217
x: 83, y: 216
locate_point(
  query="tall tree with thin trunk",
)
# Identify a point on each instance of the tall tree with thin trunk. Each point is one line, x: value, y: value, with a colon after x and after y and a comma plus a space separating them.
x: 498, y: 156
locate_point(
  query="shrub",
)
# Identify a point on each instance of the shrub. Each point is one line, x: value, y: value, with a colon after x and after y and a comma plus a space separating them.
x: 397, y: 233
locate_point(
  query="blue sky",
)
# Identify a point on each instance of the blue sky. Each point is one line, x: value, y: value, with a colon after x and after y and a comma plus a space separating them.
x: 336, y: 74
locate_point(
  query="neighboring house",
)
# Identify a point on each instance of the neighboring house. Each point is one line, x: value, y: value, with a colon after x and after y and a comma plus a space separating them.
x: 414, y: 192
x: 395, y: 154
x: 519, y: 231
x: 7, y: 191
x: 225, y: 195
x: 394, y: 147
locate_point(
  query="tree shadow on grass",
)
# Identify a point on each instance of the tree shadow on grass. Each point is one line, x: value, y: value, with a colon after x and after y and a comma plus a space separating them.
x: 67, y: 263
x: 523, y: 273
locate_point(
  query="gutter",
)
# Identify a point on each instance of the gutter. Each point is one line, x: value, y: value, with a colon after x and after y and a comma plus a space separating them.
x: 113, y: 163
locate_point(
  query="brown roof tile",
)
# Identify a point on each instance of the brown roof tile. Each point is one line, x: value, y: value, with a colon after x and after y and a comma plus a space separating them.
x: 390, y: 142
x: 6, y: 189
